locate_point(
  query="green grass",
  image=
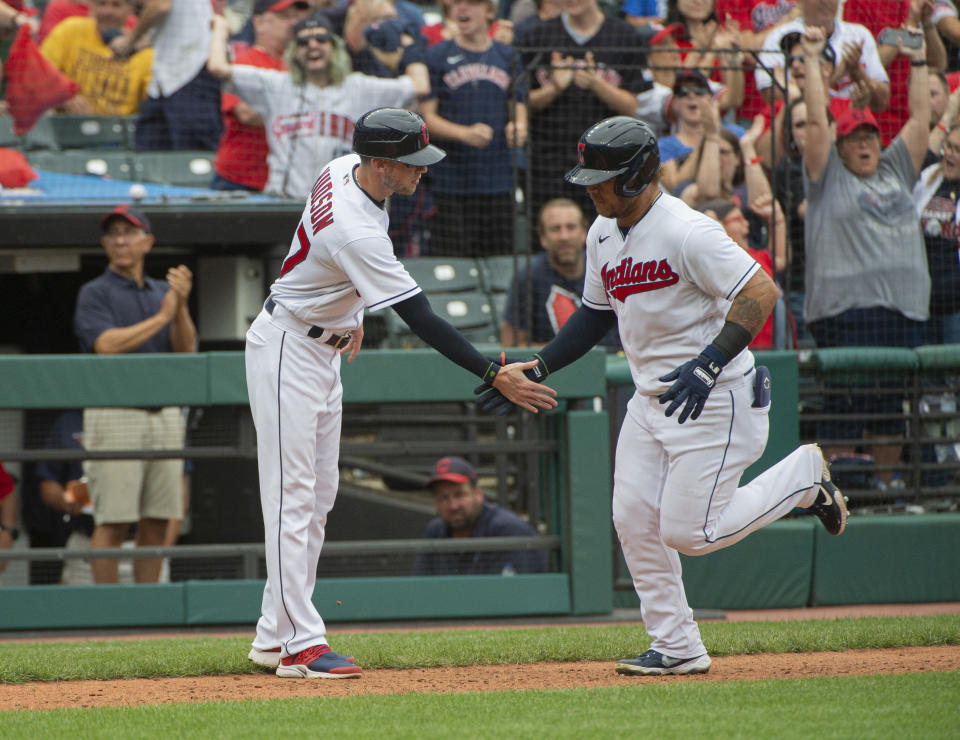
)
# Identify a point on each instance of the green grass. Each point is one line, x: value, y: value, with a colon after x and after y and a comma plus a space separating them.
x: 197, y: 656
x: 898, y: 707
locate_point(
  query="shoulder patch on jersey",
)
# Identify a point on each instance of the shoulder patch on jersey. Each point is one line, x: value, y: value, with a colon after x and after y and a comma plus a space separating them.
x: 628, y: 278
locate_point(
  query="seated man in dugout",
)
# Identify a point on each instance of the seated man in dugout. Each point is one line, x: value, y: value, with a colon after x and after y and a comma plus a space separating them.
x: 463, y: 511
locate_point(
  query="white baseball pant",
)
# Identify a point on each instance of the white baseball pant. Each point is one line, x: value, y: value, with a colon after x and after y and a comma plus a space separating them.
x: 676, y: 489
x: 293, y: 383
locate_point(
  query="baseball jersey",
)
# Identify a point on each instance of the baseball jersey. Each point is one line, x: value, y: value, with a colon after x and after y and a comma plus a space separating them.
x: 341, y: 259
x: 554, y: 299
x: 474, y: 87
x: 242, y: 154
x: 308, y: 125
x: 671, y: 282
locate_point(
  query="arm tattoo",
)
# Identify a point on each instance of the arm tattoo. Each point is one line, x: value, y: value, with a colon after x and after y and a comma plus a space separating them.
x: 748, y: 308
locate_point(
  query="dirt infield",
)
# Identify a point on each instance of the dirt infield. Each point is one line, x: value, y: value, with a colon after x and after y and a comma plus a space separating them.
x: 55, y: 695
x: 462, y: 679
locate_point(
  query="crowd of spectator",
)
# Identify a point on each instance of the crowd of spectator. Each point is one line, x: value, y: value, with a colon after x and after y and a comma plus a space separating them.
x: 827, y: 146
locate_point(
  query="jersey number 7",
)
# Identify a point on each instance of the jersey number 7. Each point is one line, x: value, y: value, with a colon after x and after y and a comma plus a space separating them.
x: 300, y: 255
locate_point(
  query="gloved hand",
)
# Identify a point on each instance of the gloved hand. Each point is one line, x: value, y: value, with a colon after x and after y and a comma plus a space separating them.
x: 384, y: 35
x: 491, y: 401
x: 694, y: 381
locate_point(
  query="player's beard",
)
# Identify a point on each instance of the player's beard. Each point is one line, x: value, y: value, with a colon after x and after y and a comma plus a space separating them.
x: 401, y: 184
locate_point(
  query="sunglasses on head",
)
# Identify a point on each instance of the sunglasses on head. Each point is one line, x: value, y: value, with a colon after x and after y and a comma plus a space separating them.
x: 320, y: 38
x: 685, y: 90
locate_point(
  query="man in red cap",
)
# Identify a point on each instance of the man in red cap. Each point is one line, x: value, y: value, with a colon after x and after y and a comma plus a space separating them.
x: 462, y: 511
x: 122, y: 311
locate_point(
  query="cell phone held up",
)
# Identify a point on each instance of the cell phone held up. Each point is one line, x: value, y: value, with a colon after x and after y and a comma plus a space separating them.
x: 890, y: 36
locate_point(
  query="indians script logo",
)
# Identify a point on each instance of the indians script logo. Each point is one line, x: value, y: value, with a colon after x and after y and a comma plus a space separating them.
x: 628, y: 278
x: 424, y: 134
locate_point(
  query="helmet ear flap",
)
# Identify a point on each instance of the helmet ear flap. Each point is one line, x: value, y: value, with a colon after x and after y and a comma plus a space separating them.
x: 635, y: 180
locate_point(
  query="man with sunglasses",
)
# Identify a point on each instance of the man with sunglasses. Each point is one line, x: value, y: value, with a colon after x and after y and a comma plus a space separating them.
x: 310, y: 111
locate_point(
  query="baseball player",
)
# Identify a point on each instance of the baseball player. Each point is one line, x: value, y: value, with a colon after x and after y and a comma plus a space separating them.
x: 340, y: 262
x: 681, y: 289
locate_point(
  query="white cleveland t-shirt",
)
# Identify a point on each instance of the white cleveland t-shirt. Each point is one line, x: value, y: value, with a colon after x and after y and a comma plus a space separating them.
x: 307, y: 125
x: 671, y: 284
x: 340, y: 259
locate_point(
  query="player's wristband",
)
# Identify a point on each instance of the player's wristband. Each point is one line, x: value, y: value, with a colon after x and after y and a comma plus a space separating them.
x: 730, y: 342
x: 918, y: 62
x: 490, y: 373
x: 942, y: 127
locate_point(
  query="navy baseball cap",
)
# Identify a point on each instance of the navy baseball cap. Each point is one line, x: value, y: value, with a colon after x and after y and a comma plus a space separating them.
x: 453, y: 469
x: 127, y: 213
x: 317, y: 19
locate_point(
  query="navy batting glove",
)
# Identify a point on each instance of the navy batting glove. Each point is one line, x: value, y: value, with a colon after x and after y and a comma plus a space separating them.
x: 491, y: 401
x: 694, y: 380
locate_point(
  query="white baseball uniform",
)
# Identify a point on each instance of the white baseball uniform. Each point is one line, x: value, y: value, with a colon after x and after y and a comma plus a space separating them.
x: 671, y: 281
x: 307, y: 125
x: 340, y: 261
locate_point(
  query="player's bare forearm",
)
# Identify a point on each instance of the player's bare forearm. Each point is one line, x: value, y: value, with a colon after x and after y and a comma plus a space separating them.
x: 754, y: 303
x: 522, y: 391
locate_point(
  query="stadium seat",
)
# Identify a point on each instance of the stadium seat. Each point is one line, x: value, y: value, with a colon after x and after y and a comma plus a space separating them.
x: 499, y: 303
x: 471, y: 312
x: 192, y: 169
x: 444, y: 274
x: 7, y: 139
x: 498, y: 271
x: 113, y: 165
x: 41, y: 136
x: 89, y: 132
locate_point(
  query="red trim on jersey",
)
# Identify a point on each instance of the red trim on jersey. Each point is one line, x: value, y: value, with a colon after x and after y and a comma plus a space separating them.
x: 300, y: 255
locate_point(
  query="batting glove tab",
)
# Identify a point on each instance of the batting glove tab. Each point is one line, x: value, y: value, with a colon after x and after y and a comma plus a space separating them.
x: 693, y: 381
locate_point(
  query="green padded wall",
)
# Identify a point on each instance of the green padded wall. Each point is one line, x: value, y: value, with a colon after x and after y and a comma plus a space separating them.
x: 889, y: 559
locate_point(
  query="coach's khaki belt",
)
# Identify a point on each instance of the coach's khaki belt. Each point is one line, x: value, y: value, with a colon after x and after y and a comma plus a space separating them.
x: 314, y: 332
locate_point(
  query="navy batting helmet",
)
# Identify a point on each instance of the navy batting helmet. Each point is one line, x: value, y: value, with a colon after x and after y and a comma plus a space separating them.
x: 620, y: 147
x: 397, y: 134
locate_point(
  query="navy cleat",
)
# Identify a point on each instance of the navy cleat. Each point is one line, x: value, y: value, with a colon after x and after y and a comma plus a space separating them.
x: 831, y: 505
x: 652, y: 663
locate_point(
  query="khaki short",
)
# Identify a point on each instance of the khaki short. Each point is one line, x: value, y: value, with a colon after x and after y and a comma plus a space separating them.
x: 130, y: 490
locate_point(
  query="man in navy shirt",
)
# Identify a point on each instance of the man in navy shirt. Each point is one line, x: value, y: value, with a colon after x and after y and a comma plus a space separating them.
x: 553, y: 283
x: 585, y: 67
x: 476, y: 108
x: 124, y: 311
x: 463, y: 512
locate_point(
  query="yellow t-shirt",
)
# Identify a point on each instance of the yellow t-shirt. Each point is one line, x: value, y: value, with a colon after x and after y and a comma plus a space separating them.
x: 113, y: 86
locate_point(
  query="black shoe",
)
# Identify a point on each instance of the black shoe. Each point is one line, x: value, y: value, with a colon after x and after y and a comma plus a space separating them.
x: 652, y: 663
x: 831, y: 505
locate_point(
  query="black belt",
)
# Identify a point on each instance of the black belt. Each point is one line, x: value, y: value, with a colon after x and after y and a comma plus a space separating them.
x: 334, y: 340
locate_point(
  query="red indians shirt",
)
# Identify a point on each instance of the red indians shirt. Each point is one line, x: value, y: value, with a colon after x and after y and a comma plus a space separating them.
x: 242, y: 156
